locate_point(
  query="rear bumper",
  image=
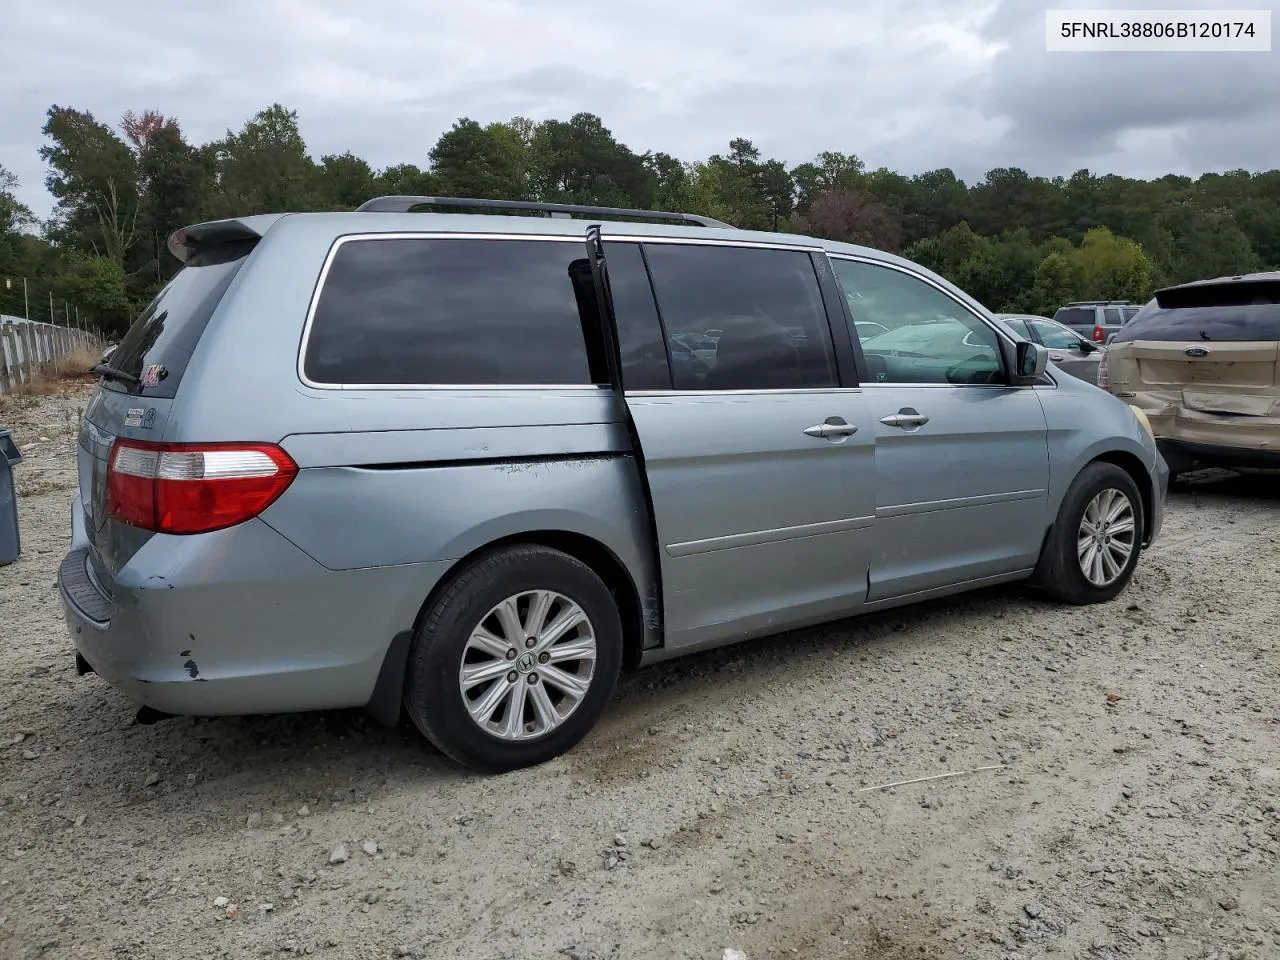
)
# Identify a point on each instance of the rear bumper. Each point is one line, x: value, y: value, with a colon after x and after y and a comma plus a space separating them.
x: 1183, y: 455
x: 237, y: 622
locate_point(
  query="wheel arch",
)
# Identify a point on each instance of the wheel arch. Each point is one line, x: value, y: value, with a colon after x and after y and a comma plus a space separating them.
x: 1141, y: 476
x: 385, y: 704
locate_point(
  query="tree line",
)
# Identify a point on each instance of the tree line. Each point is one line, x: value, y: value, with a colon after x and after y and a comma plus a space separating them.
x: 1015, y: 241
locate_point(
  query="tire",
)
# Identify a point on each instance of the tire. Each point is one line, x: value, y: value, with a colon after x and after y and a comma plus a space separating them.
x: 518, y: 577
x: 1061, y: 572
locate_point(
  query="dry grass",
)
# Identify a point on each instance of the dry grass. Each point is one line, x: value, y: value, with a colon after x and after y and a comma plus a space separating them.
x: 81, y: 359
x: 48, y: 379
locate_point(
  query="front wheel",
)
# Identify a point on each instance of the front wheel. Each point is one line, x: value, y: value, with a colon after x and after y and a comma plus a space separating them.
x: 515, y: 660
x: 1093, y: 549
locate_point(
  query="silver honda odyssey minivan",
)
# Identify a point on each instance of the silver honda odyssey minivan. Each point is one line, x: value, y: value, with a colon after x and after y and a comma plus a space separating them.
x: 449, y: 458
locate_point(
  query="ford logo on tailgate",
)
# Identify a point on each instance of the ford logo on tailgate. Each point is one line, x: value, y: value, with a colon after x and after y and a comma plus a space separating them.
x: 1196, y: 352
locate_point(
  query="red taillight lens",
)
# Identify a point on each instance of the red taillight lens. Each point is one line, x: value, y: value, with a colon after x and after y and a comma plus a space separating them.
x: 194, y: 488
x: 1099, y: 335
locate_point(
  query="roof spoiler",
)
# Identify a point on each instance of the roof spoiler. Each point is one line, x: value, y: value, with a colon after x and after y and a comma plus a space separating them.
x: 188, y: 241
x: 404, y: 204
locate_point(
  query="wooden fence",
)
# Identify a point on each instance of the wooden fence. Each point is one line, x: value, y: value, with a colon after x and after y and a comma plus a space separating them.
x: 28, y: 348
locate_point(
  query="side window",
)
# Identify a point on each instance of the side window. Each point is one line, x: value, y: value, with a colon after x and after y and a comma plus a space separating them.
x: 640, y: 342
x: 1055, y: 337
x: 1019, y: 327
x: 441, y: 312
x: 1112, y: 316
x: 931, y: 337
x: 741, y: 318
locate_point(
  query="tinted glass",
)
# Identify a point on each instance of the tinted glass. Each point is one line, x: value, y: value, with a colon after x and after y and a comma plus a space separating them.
x: 451, y: 312
x: 1056, y: 337
x: 1018, y: 327
x: 1129, y: 313
x: 640, y: 341
x: 740, y: 318
x: 167, y: 331
x: 1248, y: 313
x: 1112, y: 316
x: 932, y: 338
x: 1076, y: 316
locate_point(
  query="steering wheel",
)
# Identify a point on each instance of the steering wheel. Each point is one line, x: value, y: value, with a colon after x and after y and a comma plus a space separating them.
x: 961, y: 373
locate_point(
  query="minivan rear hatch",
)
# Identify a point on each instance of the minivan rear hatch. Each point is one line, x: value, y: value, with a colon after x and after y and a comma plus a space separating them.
x: 1211, y: 347
x: 142, y: 376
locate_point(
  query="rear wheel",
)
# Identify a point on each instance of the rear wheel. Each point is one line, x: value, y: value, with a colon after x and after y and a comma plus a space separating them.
x: 515, y: 660
x: 1093, y: 550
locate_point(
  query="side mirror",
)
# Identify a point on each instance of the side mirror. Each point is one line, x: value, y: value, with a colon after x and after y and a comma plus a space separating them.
x: 1088, y: 346
x: 1031, y: 360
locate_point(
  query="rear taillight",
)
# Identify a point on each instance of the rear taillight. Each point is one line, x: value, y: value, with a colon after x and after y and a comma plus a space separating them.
x: 191, y: 487
x: 1104, y: 378
x: 1099, y: 335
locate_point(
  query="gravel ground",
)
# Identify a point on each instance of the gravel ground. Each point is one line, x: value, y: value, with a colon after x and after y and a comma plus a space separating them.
x: 722, y: 804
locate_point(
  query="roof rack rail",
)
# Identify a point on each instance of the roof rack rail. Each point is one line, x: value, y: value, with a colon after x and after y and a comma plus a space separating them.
x: 404, y: 204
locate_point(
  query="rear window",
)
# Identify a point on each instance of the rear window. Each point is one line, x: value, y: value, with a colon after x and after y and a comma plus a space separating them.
x: 1076, y: 316
x: 165, y: 334
x: 451, y: 312
x: 1222, y: 312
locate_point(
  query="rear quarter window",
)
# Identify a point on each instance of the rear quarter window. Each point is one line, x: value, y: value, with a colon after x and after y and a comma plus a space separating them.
x: 450, y: 312
x: 1076, y: 316
x: 167, y: 331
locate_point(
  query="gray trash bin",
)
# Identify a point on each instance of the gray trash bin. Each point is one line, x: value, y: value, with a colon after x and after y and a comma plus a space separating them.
x: 10, y: 545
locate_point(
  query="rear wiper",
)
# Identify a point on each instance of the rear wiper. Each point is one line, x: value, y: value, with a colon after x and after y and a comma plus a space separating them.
x: 115, y: 373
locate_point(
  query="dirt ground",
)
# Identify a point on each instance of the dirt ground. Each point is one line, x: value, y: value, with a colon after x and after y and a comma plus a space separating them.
x: 722, y: 804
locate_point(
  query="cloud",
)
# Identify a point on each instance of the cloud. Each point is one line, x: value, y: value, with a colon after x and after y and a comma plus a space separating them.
x: 1134, y: 113
x: 909, y: 84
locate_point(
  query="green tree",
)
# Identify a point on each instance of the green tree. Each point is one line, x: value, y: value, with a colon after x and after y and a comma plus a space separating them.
x: 579, y: 161
x: 830, y: 169
x: 93, y: 175
x: 962, y: 256
x: 1114, y: 268
x: 405, y: 179
x: 14, y: 215
x: 175, y: 184
x: 1207, y: 243
x: 1013, y: 240
x: 474, y: 161
x: 265, y: 167
x: 96, y: 285
x: 347, y: 180
x: 1059, y: 279
x: 672, y: 182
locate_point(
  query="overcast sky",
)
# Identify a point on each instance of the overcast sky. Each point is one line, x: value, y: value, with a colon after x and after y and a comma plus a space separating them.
x: 908, y: 84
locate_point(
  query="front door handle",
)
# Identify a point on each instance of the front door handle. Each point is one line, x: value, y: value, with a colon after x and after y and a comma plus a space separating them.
x: 906, y: 418
x: 834, y: 427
